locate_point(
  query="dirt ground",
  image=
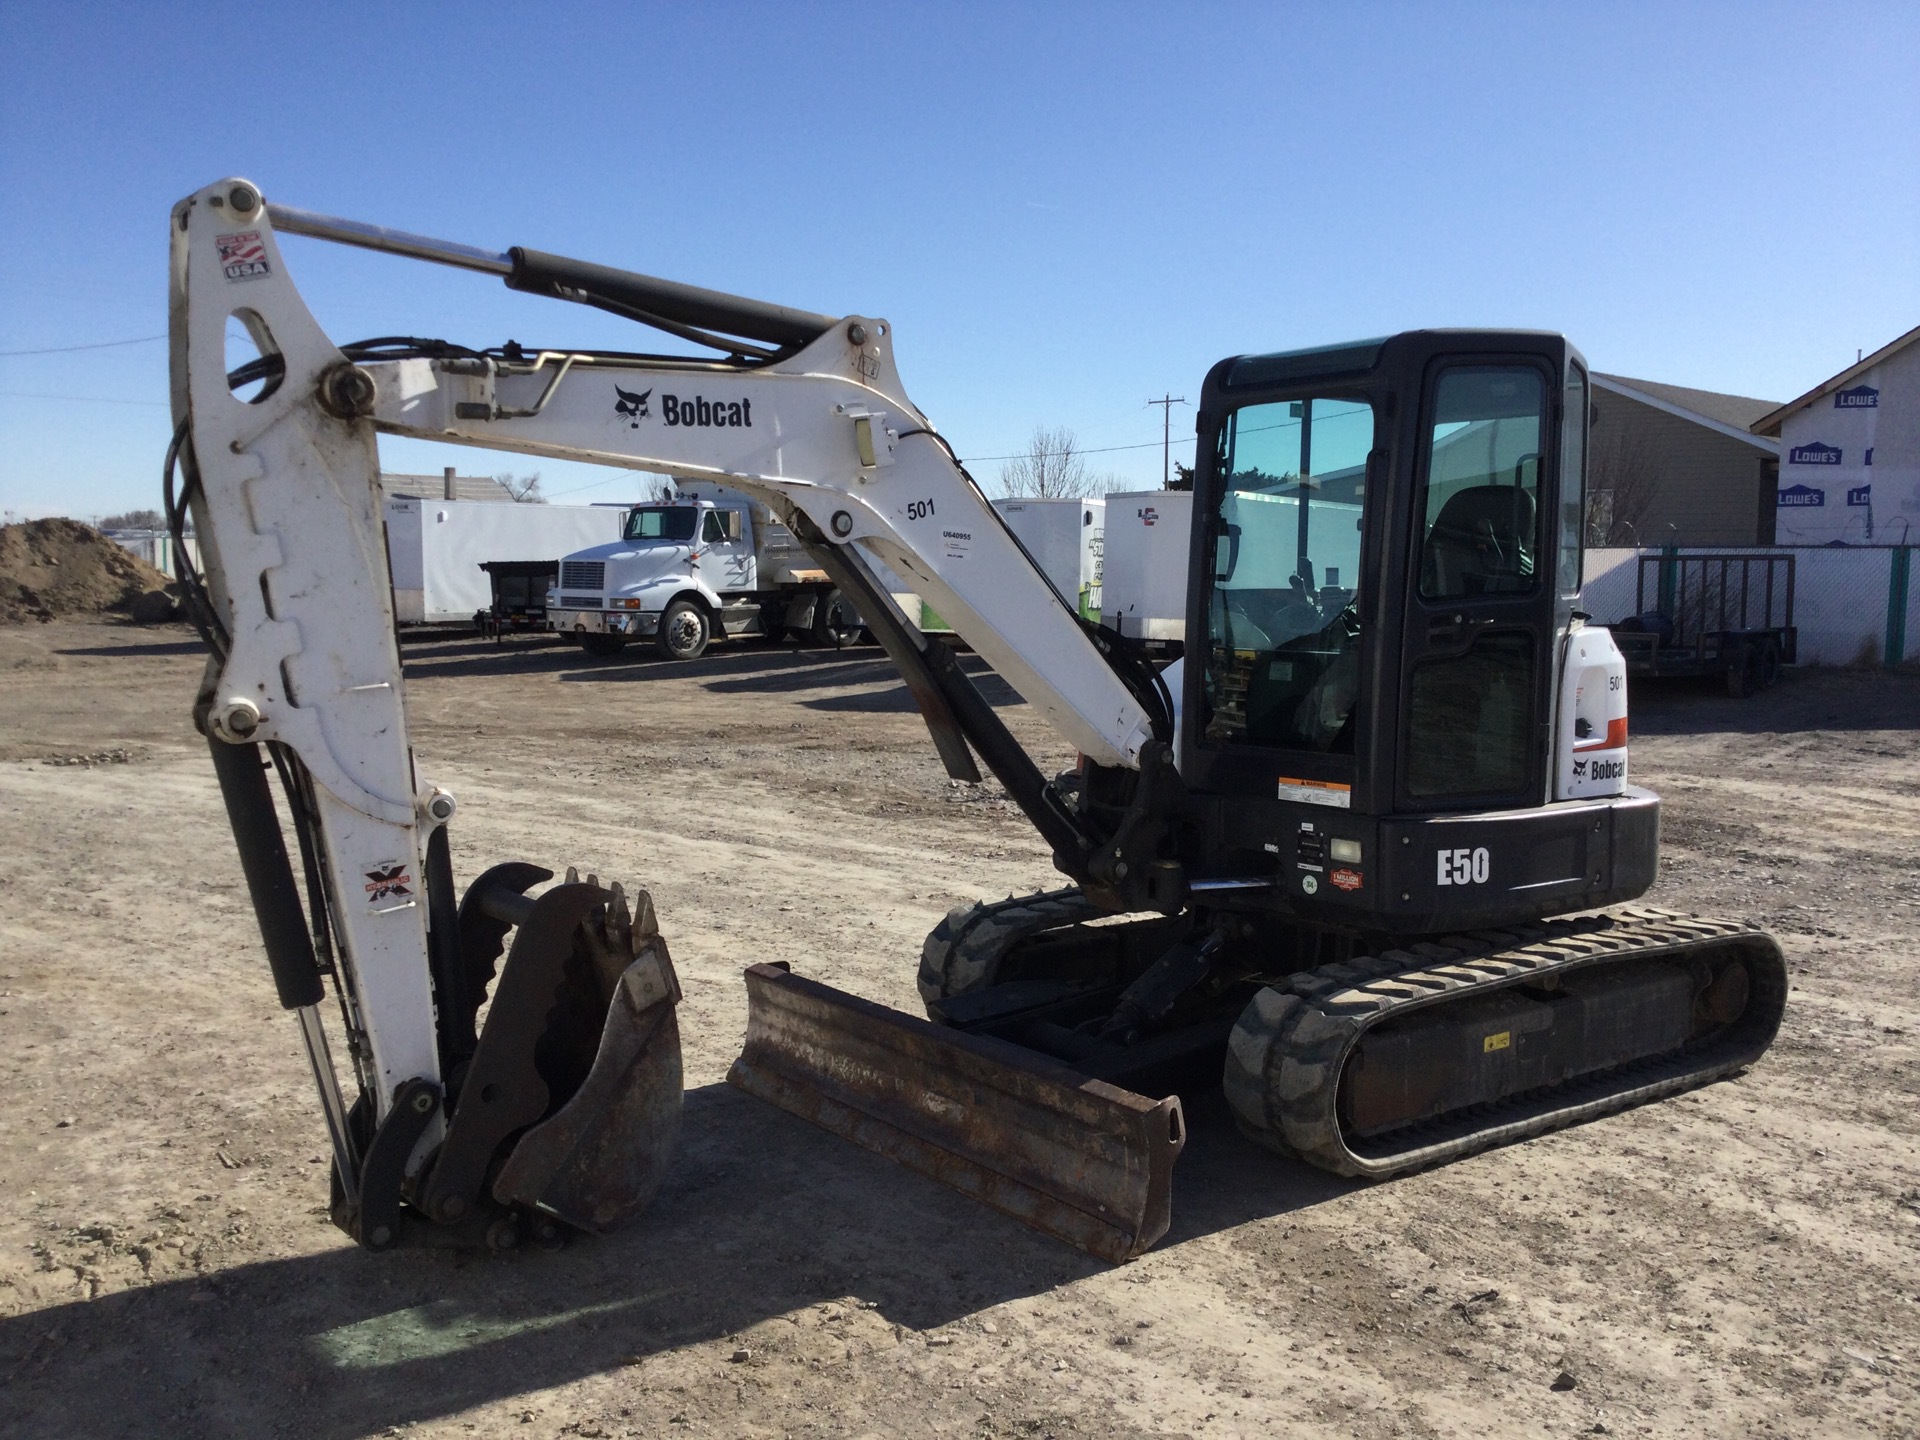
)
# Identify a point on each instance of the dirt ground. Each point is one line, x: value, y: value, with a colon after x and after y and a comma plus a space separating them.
x: 1744, y: 1260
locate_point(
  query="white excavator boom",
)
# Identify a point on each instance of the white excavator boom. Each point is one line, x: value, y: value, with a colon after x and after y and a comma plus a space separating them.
x: 283, y: 488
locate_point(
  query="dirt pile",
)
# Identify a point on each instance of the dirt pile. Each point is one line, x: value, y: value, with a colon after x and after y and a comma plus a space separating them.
x: 54, y: 568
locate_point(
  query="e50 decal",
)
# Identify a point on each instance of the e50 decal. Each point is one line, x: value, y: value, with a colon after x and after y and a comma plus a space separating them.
x: 1462, y: 867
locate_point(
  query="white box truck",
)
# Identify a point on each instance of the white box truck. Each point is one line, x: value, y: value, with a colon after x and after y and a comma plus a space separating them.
x: 1067, y: 540
x: 435, y: 548
x: 1143, y: 594
x: 706, y: 563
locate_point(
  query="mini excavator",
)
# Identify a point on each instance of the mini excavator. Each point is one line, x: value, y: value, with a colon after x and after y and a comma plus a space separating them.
x: 1351, y: 857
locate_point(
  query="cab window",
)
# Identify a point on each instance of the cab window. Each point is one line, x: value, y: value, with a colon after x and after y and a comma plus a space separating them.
x: 712, y: 531
x: 1483, y: 482
x: 661, y: 522
x: 1283, y: 632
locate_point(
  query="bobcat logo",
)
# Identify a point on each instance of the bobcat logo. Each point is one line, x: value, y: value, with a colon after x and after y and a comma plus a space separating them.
x: 1579, y: 769
x: 633, y: 406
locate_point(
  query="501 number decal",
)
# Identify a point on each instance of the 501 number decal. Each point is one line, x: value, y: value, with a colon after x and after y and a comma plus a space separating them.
x: 920, y: 509
x: 1463, y: 867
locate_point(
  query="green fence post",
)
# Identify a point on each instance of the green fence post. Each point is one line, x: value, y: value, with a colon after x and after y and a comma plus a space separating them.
x: 1669, y: 576
x: 1896, y: 646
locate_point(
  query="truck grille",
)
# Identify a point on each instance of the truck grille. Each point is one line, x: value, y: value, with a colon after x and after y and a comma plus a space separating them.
x: 583, y: 574
x: 579, y: 602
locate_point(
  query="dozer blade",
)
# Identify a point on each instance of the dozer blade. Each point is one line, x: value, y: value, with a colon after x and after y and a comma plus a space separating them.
x: 577, y: 1075
x: 1080, y: 1159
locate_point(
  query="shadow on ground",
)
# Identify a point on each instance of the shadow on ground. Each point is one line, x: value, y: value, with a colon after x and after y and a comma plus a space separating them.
x: 1810, y: 699
x: 151, y: 647
x: 860, y: 680
x: 763, y: 1214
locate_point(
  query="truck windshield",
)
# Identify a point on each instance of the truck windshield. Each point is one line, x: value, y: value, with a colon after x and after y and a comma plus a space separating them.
x: 1283, y: 632
x: 662, y: 522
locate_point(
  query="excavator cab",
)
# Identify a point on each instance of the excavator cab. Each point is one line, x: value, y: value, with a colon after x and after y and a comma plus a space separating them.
x: 1385, y: 573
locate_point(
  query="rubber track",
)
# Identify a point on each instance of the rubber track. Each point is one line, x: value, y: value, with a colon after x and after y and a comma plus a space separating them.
x: 1287, y: 1053
x: 963, y: 952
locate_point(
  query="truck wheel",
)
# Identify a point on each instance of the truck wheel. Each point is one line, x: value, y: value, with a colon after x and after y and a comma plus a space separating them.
x: 1743, y: 673
x: 684, y: 631
x: 836, y: 624
x: 607, y: 645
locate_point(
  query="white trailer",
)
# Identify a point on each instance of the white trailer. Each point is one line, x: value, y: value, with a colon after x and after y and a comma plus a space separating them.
x: 1067, y: 540
x: 1144, y: 592
x: 435, y: 548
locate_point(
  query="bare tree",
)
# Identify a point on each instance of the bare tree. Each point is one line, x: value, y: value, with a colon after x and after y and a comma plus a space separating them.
x: 134, y: 520
x: 524, y: 488
x: 1624, y: 473
x: 1050, y: 470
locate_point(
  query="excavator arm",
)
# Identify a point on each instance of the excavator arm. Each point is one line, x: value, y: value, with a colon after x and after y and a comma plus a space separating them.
x: 495, y: 1133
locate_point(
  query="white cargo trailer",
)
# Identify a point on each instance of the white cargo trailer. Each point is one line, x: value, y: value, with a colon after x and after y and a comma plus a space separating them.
x: 1067, y: 540
x: 1144, y: 590
x: 435, y: 548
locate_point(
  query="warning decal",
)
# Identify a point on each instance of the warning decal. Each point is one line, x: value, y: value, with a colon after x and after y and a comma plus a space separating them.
x: 389, y: 880
x: 1316, y: 792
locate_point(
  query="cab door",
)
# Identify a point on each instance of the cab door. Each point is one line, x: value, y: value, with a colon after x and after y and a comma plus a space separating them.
x: 1477, y: 647
x: 727, y: 551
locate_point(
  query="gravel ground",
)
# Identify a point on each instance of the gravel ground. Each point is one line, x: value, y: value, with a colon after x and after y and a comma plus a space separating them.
x: 1743, y: 1260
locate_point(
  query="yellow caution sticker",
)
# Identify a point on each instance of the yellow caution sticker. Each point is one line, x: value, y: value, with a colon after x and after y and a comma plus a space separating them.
x: 1500, y: 1041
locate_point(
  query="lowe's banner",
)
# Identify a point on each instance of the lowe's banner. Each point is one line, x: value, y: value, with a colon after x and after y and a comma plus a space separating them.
x: 1850, y: 469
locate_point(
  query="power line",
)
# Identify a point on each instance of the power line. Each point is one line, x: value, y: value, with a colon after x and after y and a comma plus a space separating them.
x: 80, y: 399
x: 69, y: 349
x: 1077, y: 450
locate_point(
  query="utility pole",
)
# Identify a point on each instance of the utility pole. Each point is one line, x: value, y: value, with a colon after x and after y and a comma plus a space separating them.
x: 1166, y: 404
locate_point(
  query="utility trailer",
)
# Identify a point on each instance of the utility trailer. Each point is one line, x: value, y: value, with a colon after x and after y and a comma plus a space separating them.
x: 519, y: 596
x: 1143, y: 594
x: 1066, y: 539
x: 1703, y: 615
x: 435, y: 548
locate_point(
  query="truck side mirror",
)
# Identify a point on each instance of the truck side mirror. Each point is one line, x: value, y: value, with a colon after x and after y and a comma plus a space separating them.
x: 1226, y: 553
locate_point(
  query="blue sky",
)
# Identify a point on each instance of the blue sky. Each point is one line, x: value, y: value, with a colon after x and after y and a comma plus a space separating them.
x: 1062, y: 209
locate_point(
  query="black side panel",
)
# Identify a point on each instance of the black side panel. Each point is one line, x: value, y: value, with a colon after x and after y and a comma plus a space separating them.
x: 1442, y: 873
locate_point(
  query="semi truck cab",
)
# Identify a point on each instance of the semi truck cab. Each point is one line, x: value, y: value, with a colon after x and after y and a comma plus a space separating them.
x: 704, y: 564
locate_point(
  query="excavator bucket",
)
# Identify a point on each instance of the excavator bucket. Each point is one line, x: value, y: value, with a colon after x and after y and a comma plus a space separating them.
x: 1080, y: 1159
x: 576, y: 1077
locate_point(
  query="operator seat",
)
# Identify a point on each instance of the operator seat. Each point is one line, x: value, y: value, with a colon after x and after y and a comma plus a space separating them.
x: 1482, y: 543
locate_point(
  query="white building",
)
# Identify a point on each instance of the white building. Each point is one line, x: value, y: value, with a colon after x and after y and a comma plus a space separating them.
x: 1850, y: 453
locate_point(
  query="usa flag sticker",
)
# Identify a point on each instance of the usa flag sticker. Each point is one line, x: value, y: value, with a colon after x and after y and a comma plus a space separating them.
x: 242, y: 257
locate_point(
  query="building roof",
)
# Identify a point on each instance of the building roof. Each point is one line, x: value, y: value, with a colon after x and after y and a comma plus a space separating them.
x: 1737, y: 410
x: 1728, y: 415
x: 434, y: 487
x: 1770, y: 423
